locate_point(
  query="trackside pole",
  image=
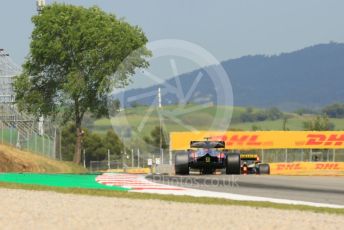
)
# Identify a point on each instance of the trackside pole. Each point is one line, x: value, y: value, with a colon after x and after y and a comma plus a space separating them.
x: 138, y: 158
x: 11, y: 136
x: 286, y: 155
x: 27, y: 141
x: 162, y: 155
x: 262, y: 160
x: 18, y: 140
x: 43, y: 143
x: 132, y: 158
x: 84, y: 158
x: 54, y: 145
x: 302, y: 152
x: 310, y: 155
x: 2, y: 133
x: 36, y: 143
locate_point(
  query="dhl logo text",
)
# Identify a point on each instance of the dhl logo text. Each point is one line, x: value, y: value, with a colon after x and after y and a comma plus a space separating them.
x: 296, y: 166
x: 323, y: 139
x: 332, y: 166
x: 248, y: 140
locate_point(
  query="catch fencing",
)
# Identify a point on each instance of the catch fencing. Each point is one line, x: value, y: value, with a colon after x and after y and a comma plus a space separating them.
x: 18, y: 129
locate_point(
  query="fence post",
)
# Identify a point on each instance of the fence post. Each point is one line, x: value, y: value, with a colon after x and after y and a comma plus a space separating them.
x: 35, y: 142
x: 310, y: 155
x: 84, y: 158
x: 328, y: 155
x: 334, y: 155
x: 27, y: 141
x: 11, y: 136
x: 132, y: 158
x: 49, y: 147
x: 123, y: 155
x: 2, y: 133
x: 262, y: 155
x: 302, y: 152
x: 18, y: 140
x: 162, y: 155
x: 54, y: 145
x: 109, y: 166
x: 60, y: 144
x: 43, y: 144
x: 286, y: 155
x: 170, y: 151
x: 138, y: 158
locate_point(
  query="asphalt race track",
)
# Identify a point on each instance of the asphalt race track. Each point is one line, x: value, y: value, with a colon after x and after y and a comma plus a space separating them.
x: 319, y: 189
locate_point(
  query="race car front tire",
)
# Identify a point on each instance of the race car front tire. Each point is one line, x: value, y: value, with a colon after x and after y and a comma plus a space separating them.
x: 264, y: 169
x: 233, y: 165
x: 182, y: 163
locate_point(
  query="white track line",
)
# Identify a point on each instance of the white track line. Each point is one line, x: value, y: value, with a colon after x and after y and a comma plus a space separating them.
x: 138, y: 183
x: 135, y: 182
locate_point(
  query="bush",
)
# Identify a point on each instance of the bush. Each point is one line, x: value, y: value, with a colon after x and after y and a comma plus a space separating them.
x: 334, y: 111
x: 96, y: 146
x: 320, y: 123
x: 261, y: 115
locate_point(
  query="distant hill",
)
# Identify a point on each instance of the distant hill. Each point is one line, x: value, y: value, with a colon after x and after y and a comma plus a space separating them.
x: 309, y: 78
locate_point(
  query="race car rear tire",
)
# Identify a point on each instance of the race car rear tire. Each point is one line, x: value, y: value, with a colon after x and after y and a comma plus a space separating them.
x: 181, y: 165
x: 264, y: 169
x: 233, y: 165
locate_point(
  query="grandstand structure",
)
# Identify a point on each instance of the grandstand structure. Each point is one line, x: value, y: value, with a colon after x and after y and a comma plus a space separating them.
x: 19, y: 129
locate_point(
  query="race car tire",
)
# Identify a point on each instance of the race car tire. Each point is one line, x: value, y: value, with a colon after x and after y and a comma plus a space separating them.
x: 181, y: 165
x: 233, y: 163
x: 264, y: 169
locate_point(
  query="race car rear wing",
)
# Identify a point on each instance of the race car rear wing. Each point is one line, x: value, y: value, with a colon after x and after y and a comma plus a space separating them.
x: 249, y: 157
x: 207, y: 144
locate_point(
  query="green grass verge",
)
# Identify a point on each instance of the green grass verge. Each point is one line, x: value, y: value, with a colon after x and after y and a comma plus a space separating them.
x: 171, y: 198
x: 86, y: 181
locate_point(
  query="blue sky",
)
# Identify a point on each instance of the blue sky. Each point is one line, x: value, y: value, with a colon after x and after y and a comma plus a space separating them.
x: 227, y: 29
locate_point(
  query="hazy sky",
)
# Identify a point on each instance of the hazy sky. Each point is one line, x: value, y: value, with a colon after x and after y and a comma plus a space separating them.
x: 226, y: 28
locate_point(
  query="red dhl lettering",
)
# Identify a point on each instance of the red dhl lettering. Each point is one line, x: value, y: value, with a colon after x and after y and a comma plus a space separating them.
x: 251, y: 140
x: 322, y: 139
x: 327, y: 166
x: 288, y: 167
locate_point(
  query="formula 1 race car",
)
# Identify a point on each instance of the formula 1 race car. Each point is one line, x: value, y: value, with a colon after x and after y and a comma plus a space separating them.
x: 251, y: 164
x: 207, y: 156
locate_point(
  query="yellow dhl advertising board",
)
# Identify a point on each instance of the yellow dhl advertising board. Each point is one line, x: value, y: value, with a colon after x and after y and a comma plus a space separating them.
x: 308, y: 168
x: 262, y: 139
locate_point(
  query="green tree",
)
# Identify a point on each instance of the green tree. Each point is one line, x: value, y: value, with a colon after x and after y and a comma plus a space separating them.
x: 114, y: 107
x: 96, y: 146
x: 113, y: 143
x: 334, y: 111
x: 68, y: 139
x: 320, y: 123
x: 256, y: 127
x: 284, y: 123
x: 274, y: 113
x: 74, y: 54
x: 157, y: 135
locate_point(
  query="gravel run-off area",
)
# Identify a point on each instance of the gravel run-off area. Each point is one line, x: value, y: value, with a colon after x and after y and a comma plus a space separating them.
x: 22, y: 209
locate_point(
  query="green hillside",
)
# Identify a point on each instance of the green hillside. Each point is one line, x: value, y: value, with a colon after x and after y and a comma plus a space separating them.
x: 141, y: 120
